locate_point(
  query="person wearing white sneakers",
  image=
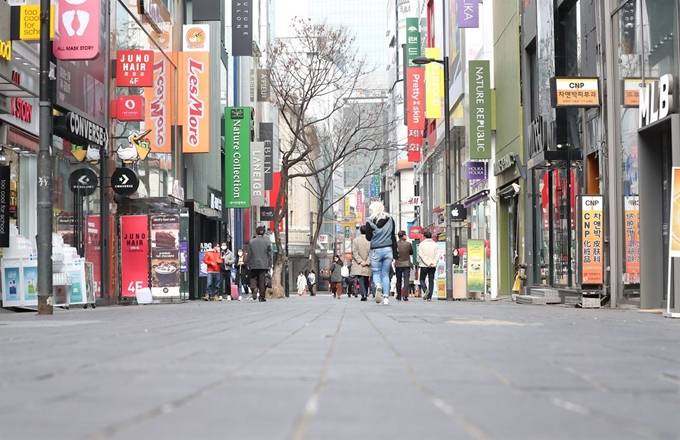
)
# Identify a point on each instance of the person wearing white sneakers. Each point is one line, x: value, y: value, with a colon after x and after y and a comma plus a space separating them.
x: 380, y: 232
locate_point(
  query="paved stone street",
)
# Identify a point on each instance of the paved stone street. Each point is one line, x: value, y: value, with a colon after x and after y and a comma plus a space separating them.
x: 321, y: 368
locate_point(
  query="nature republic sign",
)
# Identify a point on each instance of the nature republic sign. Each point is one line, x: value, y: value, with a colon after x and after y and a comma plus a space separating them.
x: 480, y: 109
x: 237, y: 157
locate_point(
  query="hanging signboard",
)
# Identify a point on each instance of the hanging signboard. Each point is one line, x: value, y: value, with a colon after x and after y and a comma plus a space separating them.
x: 78, y: 28
x: 476, y: 266
x: 134, y: 254
x: 241, y: 28
x: 257, y: 173
x: 412, y: 41
x: 195, y: 89
x: 237, y: 157
x: 632, y: 239
x: 266, y: 135
x: 159, y: 98
x: 575, y: 92
x: 591, y: 239
x: 134, y: 68
x: 480, y: 109
x: 434, y: 84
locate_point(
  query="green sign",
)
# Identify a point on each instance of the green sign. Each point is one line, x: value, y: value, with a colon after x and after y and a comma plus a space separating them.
x: 476, y: 266
x: 480, y: 109
x: 236, y: 157
x: 412, y: 41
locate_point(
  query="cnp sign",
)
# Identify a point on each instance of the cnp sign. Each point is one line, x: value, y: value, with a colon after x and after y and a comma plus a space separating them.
x: 656, y: 101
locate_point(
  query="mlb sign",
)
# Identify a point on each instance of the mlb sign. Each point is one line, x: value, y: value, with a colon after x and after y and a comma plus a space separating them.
x: 134, y: 68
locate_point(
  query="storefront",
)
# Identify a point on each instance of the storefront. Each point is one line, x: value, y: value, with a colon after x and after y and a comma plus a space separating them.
x: 647, y: 135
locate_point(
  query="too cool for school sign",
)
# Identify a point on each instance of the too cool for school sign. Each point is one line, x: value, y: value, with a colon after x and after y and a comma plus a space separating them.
x: 195, y: 89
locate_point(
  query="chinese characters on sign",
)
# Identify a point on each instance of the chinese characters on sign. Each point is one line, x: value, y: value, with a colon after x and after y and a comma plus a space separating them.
x: 134, y: 68
x: 415, y: 107
x: 632, y: 240
x: 575, y: 92
x: 592, y: 268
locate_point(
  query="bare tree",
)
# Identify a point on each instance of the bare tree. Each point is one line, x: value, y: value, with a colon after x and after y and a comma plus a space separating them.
x: 313, y: 77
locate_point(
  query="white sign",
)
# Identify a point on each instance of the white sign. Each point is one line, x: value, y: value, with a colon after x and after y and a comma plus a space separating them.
x: 656, y: 101
x: 323, y: 238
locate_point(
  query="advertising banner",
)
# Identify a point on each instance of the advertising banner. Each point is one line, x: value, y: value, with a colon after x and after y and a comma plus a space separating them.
x: 477, y: 170
x: 415, y: 98
x: 476, y: 270
x: 592, y: 224
x: 241, y: 28
x: 412, y: 41
x: 158, y: 99
x: 480, y: 109
x: 440, y: 274
x: 134, y: 254
x: 134, y: 68
x: 30, y: 284
x: 66, y: 224
x: 415, y: 144
x: 78, y: 28
x: 183, y: 256
x: 262, y: 85
x: 631, y: 207
x: 434, y: 84
x: 165, y: 255
x: 257, y: 173
x: 194, y: 102
x: 5, y: 181
x: 675, y: 213
x: 267, y: 136
x: 29, y: 23
x: 93, y: 249
x: 468, y: 13
x: 237, y: 157
x: 12, y: 284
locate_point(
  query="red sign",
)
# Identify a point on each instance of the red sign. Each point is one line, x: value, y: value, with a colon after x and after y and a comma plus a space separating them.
x: 134, y: 253
x: 93, y: 249
x: 415, y: 141
x: 130, y: 108
x: 134, y: 68
x: 160, y: 98
x: 415, y: 98
x: 78, y: 28
x: 21, y: 110
x: 415, y: 232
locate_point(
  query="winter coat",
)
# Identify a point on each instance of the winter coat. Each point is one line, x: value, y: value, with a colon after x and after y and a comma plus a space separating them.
x: 213, y: 260
x: 260, y: 253
x: 428, y: 253
x: 242, y: 270
x: 361, y: 249
x: 336, y: 273
x: 404, y: 252
x: 381, y: 234
x: 228, y: 259
x: 301, y: 283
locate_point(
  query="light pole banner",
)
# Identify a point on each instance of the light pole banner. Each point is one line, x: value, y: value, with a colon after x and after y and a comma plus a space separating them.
x: 267, y: 136
x: 194, y: 102
x: 412, y: 41
x: 257, y: 173
x: 434, y: 84
x: 480, y: 109
x: 236, y: 157
x: 415, y: 98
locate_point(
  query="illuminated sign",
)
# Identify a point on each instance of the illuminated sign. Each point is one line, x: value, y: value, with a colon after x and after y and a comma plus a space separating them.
x: 656, y: 101
x: 6, y: 50
x: 575, y: 92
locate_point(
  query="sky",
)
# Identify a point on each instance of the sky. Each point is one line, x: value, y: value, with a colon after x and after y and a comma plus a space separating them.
x: 285, y: 11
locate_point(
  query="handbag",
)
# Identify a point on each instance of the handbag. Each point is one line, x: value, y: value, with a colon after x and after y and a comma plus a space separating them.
x: 268, y: 281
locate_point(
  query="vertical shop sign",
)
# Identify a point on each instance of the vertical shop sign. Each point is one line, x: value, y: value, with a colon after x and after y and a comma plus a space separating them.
x: 375, y: 186
x: 183, y: 256
x: 134, y: 254
x: 360, y: 205
x: 93, y: 249
x: 347, y: 207
x: 262, y: 85
x: 194, y: 102
x: 78, y: 27
x: 415, y: 143
x: 257, y: 173
x: 241, y: 28
x: 237, y: 157
x: 632, y: 227
x: 5, y: 177
x: 415, y: 98
x: 476, y: 269
x: 165, y: 260
x: 267, y: 136
x: 412, y: 41
x: 592, y: 267
x: 480, y: 109
x: 434, y: 84
x: 158, y: 99
x: 674, y: 221
x: 440, y: 271
x: 468, y: 13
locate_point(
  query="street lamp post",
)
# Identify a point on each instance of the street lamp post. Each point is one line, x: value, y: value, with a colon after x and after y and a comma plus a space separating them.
x: 447, y: 158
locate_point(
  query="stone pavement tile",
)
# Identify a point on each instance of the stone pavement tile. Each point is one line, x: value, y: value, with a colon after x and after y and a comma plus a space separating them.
x: 242, y: 409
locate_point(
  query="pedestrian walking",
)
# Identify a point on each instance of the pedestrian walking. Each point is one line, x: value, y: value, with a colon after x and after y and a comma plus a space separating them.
x: 227, y: 265
x: 242, y: 274
x: 213, y: 261
x: 428, y: 257
x: 301, y: 283
x: 311, y: 283
x: 403, y: 266
x: 260, y: 262
x: 361, y: 261
x: 380, y: 233
x: 336, y: 276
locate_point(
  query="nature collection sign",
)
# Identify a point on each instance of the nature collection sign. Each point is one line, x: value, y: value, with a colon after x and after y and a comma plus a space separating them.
x: 592, y: 239
x: 237, y: 157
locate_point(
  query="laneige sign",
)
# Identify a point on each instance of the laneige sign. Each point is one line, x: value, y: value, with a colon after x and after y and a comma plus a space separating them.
x: 656, y: 101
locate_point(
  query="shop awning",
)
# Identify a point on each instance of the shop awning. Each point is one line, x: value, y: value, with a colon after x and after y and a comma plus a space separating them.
x: 14, y: 90
x: 476, y: 198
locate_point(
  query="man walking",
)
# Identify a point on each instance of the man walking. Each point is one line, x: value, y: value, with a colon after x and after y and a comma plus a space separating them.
x: 259, y: 261
x: 428, y: 257
x: 213, y: 261
x: 403, y: 265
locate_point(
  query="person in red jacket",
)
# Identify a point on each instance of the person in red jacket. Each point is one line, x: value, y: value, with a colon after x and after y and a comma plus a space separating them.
x: 213, y: 261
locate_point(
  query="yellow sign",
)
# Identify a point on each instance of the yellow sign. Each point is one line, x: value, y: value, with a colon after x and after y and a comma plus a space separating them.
x: 575, y: 92
x: 434, y: 84
x: 347, y: 207
x: 592, y: 239
x: 29, y: 22
x: 631, y: 90
x: 6, y: 50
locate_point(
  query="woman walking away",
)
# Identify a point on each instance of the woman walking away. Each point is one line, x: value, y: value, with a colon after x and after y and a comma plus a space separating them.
x: 361, y: 261
x: 242, y: 278
x: 336, y: 276
x: 380, y: 232
x: 301, y: 284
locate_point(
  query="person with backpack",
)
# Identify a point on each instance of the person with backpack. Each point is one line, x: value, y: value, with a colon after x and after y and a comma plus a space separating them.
x: 336, y: 276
